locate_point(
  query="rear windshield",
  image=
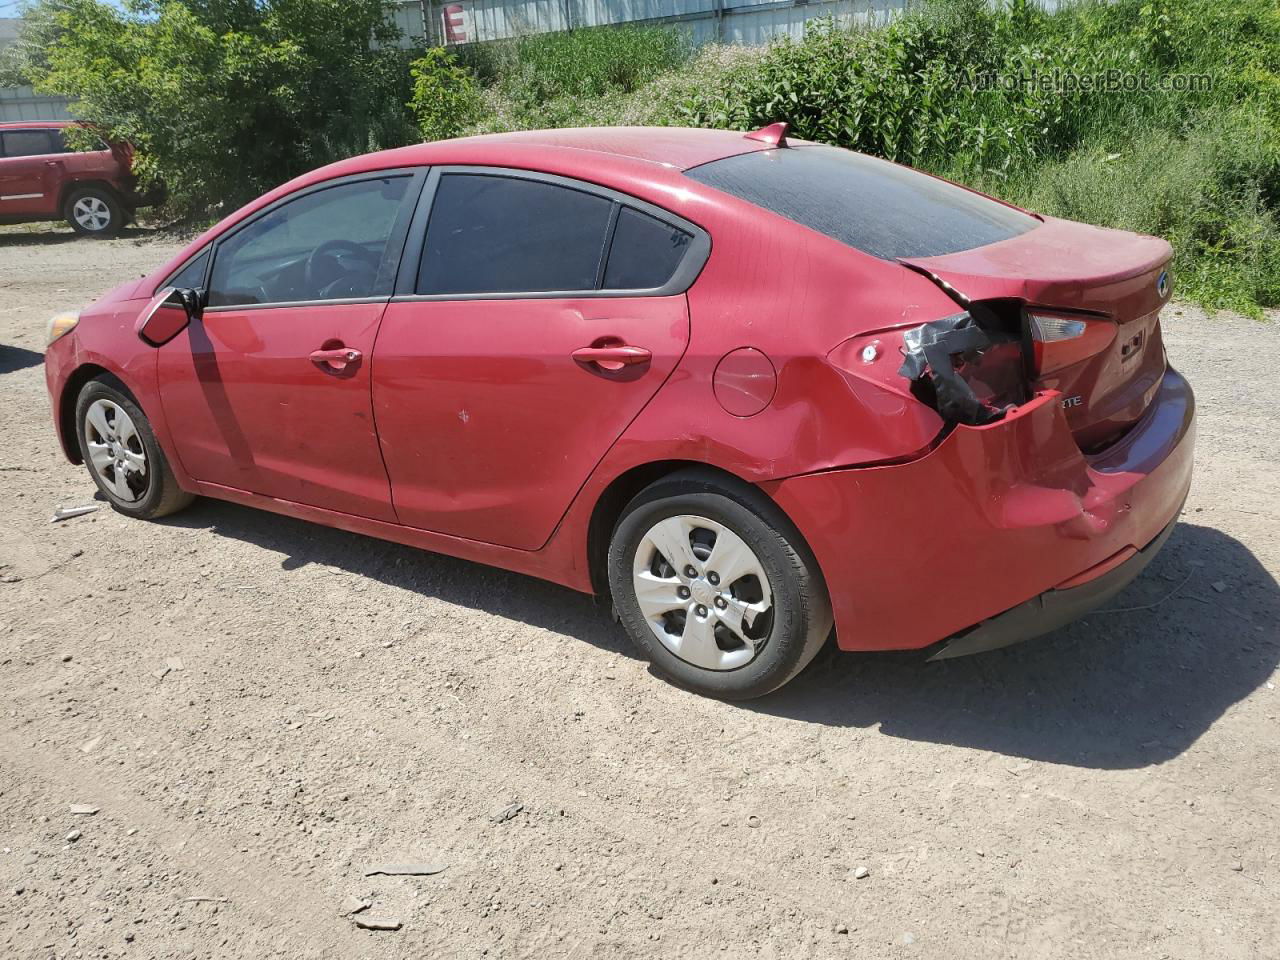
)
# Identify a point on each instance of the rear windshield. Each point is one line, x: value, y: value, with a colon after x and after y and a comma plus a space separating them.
x: 871, y: 205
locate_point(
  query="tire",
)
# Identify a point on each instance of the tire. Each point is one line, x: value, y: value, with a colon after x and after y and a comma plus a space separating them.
x: 107, y: 440
x: 792, y: 612
x: 94, y: 212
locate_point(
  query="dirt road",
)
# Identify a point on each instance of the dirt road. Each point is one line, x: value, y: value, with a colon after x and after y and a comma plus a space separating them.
x: 261, y: 710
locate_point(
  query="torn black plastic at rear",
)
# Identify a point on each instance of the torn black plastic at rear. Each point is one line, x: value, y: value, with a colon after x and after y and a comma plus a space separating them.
x: 971, y: 372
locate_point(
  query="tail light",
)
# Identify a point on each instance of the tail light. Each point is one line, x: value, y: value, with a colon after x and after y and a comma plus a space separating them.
x: 969, y: 366
x: 1059, y: 340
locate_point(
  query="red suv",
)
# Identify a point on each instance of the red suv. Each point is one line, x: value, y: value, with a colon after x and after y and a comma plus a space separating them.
x: 44, y: 178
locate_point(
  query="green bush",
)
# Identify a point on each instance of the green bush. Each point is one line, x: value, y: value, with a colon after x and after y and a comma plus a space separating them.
x: 226, y: 100
x: 445, y: 97
x: 549, y: 79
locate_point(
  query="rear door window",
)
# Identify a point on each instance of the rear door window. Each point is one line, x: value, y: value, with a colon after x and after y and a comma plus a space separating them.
x: 644, y: 253
x: 869, y: 204
x: 27, y: 143
x: 496, y: 234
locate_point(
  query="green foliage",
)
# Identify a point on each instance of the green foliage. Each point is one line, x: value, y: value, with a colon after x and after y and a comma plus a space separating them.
x: 549, y: 79
x: 225, y: 99
x: 445, y: 97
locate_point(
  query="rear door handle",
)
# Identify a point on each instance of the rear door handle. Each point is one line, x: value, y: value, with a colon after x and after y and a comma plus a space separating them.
x: 335, y: 360
x: 613, y: 357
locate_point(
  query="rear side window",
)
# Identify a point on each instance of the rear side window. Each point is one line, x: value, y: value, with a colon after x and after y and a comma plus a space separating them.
x: 494, y: 234
x: 869, y: 204
x: 28, y: 143
x: 645, y: 252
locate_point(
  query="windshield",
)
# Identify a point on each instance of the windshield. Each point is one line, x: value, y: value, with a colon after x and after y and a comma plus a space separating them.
x: 869, y: 204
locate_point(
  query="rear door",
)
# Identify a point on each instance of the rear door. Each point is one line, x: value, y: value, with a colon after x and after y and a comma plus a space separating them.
x: 540, y: 317
x: 269, y: 391
x: 29, y: 167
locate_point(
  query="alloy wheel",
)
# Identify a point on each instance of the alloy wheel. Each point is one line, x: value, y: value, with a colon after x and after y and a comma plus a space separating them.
x: 115, y: 450
x: 703, y: 592
x: 91, y: 213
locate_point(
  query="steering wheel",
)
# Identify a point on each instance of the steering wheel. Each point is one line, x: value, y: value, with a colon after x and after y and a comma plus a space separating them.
x: 317, y: 275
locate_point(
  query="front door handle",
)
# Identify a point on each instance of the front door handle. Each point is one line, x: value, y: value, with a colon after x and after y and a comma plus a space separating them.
x: 335, y: 360
x: 613, y: 357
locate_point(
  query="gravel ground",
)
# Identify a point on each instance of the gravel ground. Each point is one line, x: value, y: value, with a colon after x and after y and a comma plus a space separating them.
x: 261, y: 710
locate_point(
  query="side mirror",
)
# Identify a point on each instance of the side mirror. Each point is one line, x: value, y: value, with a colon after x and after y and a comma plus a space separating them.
x: 167, y: 315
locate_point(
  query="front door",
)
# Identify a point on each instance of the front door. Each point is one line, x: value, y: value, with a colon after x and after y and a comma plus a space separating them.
x: 543, y: 318
x: 270, y: 391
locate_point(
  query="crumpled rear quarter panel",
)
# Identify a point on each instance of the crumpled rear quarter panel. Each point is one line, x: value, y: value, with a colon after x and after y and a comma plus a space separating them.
x: 992, y: 517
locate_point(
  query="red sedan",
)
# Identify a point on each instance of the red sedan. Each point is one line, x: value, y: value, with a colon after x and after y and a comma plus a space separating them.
x: 750, y: 389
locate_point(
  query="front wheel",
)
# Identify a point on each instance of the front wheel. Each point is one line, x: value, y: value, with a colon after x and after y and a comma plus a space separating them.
x: 716, y: 587
x: 122, y: 454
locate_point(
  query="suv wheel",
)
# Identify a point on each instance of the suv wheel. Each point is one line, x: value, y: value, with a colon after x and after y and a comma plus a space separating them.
x: 716, y: 587
x: 94, y: 212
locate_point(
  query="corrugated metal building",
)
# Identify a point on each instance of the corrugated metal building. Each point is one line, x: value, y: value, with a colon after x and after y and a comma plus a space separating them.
x: 708, y: 21
x: 23, y: 103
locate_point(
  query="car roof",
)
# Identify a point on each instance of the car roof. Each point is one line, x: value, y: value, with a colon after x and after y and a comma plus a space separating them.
x: 680, y: 147
x: 35, y: 124
x: 673, y: 148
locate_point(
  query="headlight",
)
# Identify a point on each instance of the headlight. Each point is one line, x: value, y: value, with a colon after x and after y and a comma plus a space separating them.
x: 59, y: 324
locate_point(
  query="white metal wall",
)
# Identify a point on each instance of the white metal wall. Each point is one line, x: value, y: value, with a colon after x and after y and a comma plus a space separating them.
x: 23, y: 103
x: 745, y: 22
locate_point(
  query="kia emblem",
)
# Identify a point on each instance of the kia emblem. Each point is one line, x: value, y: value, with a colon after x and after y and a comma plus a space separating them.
x: 1162, y: 284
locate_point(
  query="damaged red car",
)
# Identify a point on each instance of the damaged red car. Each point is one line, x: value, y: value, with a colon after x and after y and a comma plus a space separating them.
x: 750, y: 389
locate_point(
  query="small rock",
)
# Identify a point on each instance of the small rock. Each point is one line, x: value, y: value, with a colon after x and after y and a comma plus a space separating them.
x: 377, y: 923
x: 506, y: 813
x: 174, y: 663
x: 129, y: 937
x: 88, y: 745
x: 860, y: 872
x: 908, y: 938
x: 753, y: 821
x: 354, y: 905
x: 84, y: 809
x: 1219, y: 586
x: 73, y: 836
x: 66, y: 658
x: 1237, y: 866
x: 161, y: 673
x: 842, y: 928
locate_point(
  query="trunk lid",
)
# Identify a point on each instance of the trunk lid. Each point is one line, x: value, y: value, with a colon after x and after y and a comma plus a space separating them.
x: 1108, y: 282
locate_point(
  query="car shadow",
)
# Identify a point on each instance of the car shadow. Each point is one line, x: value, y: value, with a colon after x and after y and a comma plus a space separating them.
x: 62, y: 234
x: 18, y: 358
x: 514, y: 596
x: 1131, y: 686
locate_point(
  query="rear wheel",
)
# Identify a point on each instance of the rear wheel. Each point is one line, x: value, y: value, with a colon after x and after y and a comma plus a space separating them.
x: 716, y: 586
x: 94, y: 212
x: 122, y: 455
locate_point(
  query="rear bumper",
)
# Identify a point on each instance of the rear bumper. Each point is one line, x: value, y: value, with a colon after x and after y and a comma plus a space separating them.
x: 1053, y: 608
x: 1007, y: 522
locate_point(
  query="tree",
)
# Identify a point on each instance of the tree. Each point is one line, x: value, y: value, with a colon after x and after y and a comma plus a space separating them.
x: 224, y: 99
